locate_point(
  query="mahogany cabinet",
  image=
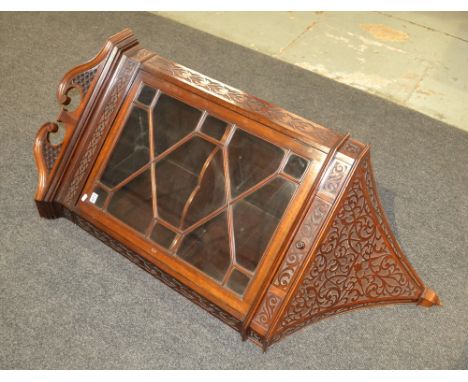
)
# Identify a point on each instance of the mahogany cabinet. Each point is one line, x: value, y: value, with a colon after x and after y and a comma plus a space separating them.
x: 266, y: 220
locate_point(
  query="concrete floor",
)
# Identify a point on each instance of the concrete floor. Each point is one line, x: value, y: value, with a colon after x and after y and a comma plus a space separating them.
x: 416, y: 59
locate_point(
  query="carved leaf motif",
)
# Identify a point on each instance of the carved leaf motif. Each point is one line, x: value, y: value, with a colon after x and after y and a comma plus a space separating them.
x: 351, y: 148
x: 306, y: 234
x: 335, y: 178
x: 267, y: 310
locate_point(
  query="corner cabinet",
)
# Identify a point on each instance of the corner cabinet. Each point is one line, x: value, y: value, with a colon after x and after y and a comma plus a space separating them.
x: 266, y: 220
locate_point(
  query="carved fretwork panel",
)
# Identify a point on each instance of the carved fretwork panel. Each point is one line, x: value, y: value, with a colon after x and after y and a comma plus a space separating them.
x: 354, y: 265
x: 325, y: 314
x: 292, y: 262
x: 51, y: 153
x: 115, y: 97
x: 84, y: 79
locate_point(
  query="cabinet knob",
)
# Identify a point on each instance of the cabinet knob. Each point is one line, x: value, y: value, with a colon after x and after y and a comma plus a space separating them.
x: 300, y: 244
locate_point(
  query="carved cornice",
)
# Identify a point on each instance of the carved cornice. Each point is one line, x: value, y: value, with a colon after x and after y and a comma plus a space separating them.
x: 270, y: 114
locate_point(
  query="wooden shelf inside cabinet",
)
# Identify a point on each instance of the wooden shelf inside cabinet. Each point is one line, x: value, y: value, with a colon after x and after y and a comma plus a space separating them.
x: 266, y: 220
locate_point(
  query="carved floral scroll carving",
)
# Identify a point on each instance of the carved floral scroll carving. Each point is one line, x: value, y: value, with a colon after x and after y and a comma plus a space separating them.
x: 267, y: 310
x: 371, y: 191
x: 335, y: 178
x: 352, y: 148
x: 353, y: 267
x: 306, y: 234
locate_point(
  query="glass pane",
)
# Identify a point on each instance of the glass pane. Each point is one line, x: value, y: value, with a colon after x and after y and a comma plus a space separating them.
x: 238, y: 282
x: 214, y: 127
x: 132, y: 203
x: 162, y: 235
x: 296, y: 166
x: 177, y: 176
x: 251, y: 160
x: 209, y: 194
x: 131, y: 151
x: 207, y: 247
x: 172, y: 120
x: 98, y: 197
x: 189, y: 183
x: 146, y: 95
x: 256, y: 218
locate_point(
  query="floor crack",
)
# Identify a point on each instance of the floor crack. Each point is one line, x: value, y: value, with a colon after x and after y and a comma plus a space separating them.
x: 416, y: 85
x: 308, y: 28
x: 422, y: 26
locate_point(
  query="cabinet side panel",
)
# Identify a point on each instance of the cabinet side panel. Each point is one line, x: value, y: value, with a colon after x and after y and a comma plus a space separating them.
x: 357, y: 263
x: 329, y: 184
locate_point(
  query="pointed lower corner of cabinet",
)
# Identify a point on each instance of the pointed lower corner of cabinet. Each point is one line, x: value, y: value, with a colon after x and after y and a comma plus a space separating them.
x: 429, y: 298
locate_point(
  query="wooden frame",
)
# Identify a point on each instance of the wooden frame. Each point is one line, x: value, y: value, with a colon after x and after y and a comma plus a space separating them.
x: 333, y: 250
